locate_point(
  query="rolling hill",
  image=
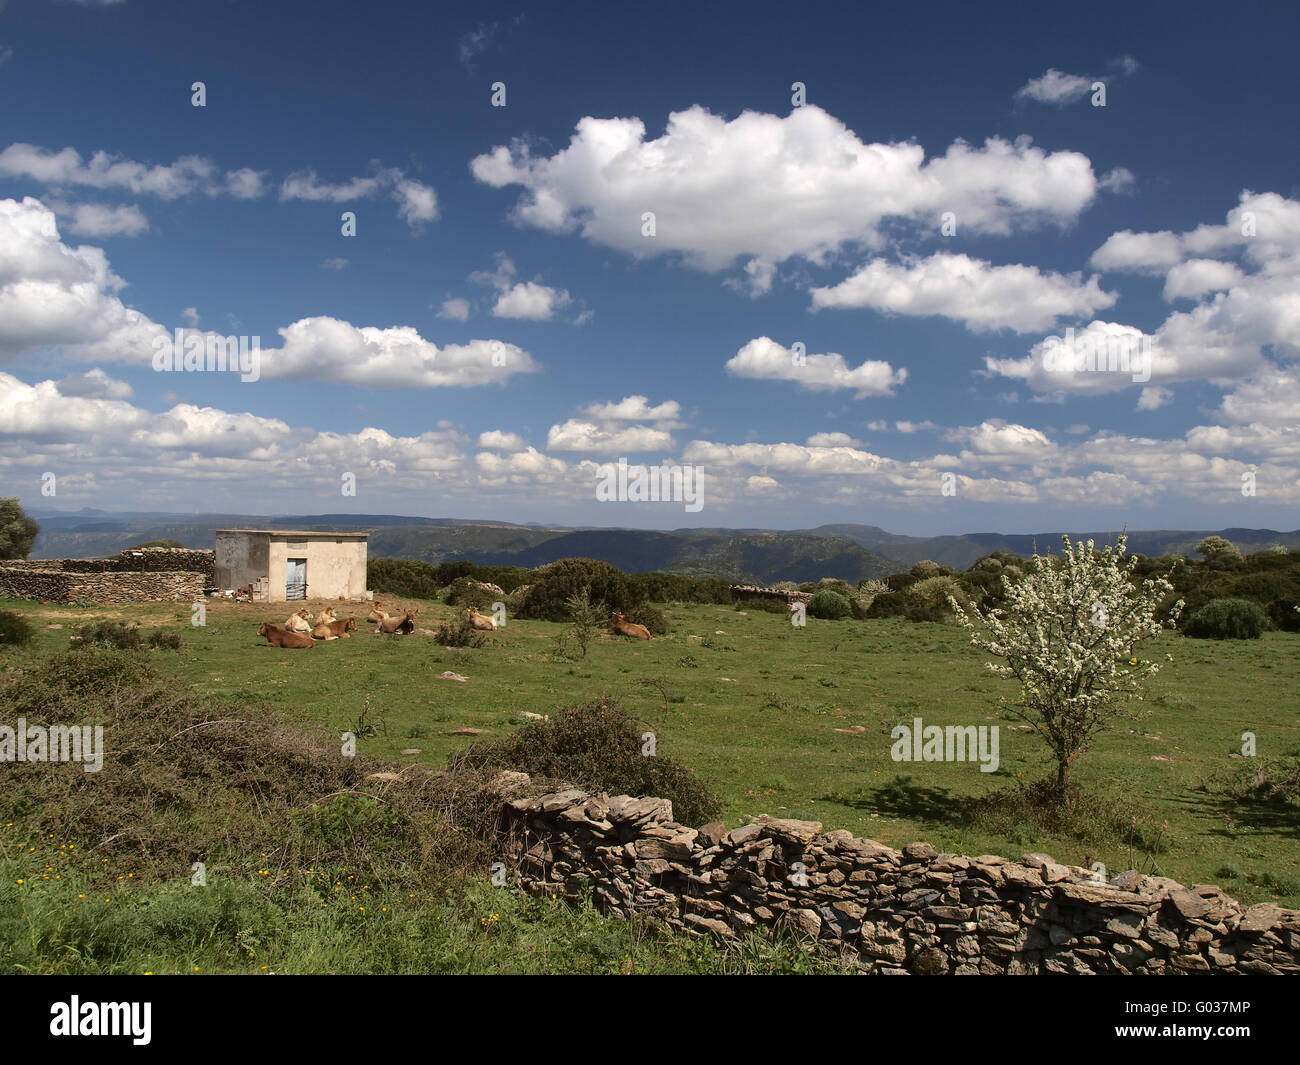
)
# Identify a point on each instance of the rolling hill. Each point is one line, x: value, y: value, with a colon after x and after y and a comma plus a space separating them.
x: 848, y: 551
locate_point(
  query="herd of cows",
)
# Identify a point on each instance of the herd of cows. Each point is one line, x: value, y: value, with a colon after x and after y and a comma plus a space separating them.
x: 302, y: 630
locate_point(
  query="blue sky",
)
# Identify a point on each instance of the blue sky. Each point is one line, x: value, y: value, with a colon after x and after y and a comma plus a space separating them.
x: 500, y: 324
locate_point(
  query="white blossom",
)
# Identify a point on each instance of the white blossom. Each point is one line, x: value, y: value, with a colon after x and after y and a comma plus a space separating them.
x: 1069, y: 632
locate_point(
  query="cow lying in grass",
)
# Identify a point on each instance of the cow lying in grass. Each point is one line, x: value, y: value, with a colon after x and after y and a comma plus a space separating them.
x: 485, y: 624
x: 630, y: 628
x: 278, y: 637
x: 402, y: 626
x: 376, y: 615
x: 299, y: 622
x: 334, y: 630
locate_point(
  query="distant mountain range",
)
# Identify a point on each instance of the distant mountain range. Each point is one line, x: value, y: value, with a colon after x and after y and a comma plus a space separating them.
x: 849, y: 552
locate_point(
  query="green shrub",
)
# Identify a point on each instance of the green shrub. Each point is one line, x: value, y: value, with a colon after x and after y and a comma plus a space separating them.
x: 1219, y: 553
x: 167, y: 640
x: 595, y: 745
x: 1028, y: 811
x: 586, y: 617
x: 927, y: 600
x: 898, y: 582
x: 459, y: 633
x: 194, y: 780
x: 770, y: 606
x: 864, y: 595
x: 18, y: 530
x: 1228, y: 619
x: 80, y: 680
x: 467, y: 592
x: 887, y: 605
x: 925, y: 569
x: 655, y: 621
x: 1273, y: 781
x: 558, y: 582
x: 1284, y: 614
x: 15, y: 630
x: 829, y: 605
x: 110, y: 634
x: 834, y: 584
x: 403, y: 577
x: 507, y: 578
x: 677, y: 588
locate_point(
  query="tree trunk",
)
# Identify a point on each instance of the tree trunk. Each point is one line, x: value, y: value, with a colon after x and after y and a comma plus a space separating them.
x: 1063, y: 779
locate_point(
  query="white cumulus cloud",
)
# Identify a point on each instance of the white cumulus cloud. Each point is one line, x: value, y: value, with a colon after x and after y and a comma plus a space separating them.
x: 982, y: 296
x: 765, y: 359
x: 768, y: 187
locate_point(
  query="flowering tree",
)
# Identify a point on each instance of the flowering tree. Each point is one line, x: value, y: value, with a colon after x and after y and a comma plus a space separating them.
x: 1068, y: 632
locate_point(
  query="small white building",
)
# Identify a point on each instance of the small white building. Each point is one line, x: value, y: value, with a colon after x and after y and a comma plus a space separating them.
x: 285, y: 564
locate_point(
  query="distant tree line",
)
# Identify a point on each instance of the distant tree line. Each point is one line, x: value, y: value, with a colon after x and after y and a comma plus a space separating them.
x: 1225, y: 594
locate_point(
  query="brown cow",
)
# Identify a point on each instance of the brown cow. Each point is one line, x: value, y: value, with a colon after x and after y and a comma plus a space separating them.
x: 376, y: 615
x: 334, y: 630
x: 630, y: 628
x: 476, y: 619
x: 402, y: 626
x: 278, y: 637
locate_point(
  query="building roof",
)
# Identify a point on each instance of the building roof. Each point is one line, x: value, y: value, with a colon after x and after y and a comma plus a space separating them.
x: 299, y: 534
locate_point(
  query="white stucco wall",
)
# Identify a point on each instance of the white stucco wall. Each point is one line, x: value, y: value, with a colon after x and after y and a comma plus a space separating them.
x: 336, y: 564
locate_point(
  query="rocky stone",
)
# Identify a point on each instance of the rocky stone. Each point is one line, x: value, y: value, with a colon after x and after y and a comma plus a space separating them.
x: 1260, y: 918
x: 674, y: 849
x: 712, y: 834
x: 932, y: 962
x: 744, y: 834
x: 1189, y: 904
x: 787, y: 830
x: 562, y: 800
x: 807, y: 922
x: 708, y: 924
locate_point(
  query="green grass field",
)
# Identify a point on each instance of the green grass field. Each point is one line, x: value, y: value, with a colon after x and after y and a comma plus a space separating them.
x: 790, y: 721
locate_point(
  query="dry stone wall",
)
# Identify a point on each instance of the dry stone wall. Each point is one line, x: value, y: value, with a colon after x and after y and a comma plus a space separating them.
x: 56, y: 586
x: 137, y: 587
x: 146, y: 575
x: 141, y: 560
x: 45, y: 585
x: 889, y: 911
x: 741, y: 593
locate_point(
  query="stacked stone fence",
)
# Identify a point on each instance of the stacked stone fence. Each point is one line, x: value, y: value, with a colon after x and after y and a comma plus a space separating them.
x: 145, y: 575
x: 141, y: 560
x: 741, y: 593
x: 887, y: 911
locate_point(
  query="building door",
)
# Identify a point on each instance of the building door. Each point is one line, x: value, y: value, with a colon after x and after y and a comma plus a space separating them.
x: 295, y: 580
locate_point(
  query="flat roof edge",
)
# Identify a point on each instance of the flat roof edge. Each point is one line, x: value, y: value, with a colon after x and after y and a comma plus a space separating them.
x: 298, y: 534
